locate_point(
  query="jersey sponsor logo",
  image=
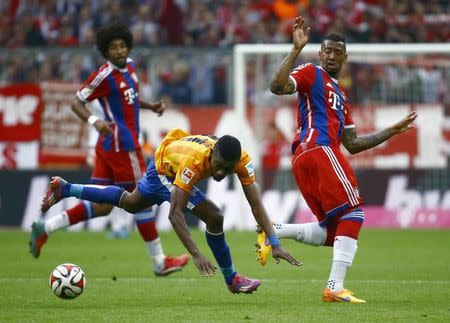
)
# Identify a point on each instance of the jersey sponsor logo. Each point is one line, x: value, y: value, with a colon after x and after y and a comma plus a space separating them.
x: 86, y: 91
x: 329, y: 85
x: 129, y: 95
x: 122, y: 85
x: 334, y: 100
x: 250, y: 169
x: 187, y: 175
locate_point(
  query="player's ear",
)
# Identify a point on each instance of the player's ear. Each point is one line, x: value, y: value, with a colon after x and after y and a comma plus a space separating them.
x: 345, y: 58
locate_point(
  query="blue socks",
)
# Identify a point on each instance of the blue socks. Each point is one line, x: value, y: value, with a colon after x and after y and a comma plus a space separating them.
x: 222, y: 254
x: 94, y: 193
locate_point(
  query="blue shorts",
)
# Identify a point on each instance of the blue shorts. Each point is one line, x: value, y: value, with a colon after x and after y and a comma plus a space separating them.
x: 156, y: 188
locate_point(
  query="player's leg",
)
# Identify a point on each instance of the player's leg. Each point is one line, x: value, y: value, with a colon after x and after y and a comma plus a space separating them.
x: 209, y: 213
x: 344, y: 251
x: 59, y: 189
x: 340, y: 200
x: 83, y: 211
x: 158, y: 191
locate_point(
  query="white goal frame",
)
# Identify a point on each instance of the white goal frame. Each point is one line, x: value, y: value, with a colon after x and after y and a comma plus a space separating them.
x: 241, y: 50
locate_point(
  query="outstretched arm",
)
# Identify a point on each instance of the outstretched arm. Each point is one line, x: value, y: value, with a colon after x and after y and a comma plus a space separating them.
x: 281, y: 83
x: 253, y: 195
x: 355, y: 144
x: 157, y: 107
x: 178, y: 201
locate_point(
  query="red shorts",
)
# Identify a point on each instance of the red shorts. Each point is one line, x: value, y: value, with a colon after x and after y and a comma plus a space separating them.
x: 123, y: 168
x: 326, y: 181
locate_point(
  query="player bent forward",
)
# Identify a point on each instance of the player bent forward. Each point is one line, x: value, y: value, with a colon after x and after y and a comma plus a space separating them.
x: 321, y: 171
x: 181, y: 160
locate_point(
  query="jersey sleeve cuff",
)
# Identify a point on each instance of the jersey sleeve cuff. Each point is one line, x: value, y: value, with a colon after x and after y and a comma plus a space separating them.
x: 349, y: 126
x: 80, y: 97
x: 295, y: 83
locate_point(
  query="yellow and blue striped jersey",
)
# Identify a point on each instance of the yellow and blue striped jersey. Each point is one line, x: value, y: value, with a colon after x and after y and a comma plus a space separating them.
x: 186, y: 158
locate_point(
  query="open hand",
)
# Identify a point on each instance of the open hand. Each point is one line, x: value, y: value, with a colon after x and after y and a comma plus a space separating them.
x: 405, y: 124
x: 279, y: 252
x: 300, y: 35
x: 204, y: 266
x: 103, y: 127
x: 159, y: 107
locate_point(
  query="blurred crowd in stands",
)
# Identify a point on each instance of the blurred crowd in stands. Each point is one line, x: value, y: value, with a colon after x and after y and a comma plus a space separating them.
x: 221, y: 23
x: 203, y: 77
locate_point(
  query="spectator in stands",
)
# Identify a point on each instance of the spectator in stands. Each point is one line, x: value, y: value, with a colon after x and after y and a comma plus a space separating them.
x: 176, y: 85
x: 273, y: 147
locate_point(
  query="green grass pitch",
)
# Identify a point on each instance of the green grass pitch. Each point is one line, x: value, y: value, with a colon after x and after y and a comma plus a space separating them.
x: 404, y: 275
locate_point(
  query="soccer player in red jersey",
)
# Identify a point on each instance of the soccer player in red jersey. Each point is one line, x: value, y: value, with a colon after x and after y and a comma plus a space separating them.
x: 322, y: 173
x: 118, y: 155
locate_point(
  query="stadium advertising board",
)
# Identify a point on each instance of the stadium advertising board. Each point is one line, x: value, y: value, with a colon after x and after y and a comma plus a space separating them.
x: 393, y: 199
x: 20, y: 114
x: 421, y: 147
x: 64, y: 137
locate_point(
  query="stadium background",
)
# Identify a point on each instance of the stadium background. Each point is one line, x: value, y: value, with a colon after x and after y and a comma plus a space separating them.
x: 185, y: 52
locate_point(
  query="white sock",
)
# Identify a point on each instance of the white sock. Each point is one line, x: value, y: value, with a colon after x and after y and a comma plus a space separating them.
x: 156, y: 252
x: 59, y: 221
x: 308, y: 233
x: 344, y: 250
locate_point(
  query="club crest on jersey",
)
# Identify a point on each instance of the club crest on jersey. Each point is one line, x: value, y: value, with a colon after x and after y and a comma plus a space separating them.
x: 250, y: 169
x: 187, y: 175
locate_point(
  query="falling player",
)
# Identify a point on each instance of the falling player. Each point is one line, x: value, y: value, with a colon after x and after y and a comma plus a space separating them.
x: 181, y: 160
x: 118, y: 155
x: 321, y: 171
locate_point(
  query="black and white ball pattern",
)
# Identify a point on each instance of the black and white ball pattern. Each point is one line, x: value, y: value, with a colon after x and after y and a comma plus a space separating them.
x: 67, y: 281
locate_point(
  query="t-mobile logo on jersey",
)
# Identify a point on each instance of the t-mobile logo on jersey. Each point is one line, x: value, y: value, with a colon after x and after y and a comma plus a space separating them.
x: 334, y: 99
x: 130, y: 95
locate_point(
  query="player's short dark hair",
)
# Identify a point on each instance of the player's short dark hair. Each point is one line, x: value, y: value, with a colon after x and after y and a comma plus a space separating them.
x: 229, y: 148
x: 335, y: 37
x: 115, y: 30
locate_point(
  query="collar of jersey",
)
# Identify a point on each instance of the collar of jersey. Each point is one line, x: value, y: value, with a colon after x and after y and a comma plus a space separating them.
x: 123, y: 70
x: 334, y: 80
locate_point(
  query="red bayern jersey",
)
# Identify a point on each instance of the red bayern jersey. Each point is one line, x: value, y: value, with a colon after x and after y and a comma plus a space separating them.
x: 323, y: 110
x: 117, y: 90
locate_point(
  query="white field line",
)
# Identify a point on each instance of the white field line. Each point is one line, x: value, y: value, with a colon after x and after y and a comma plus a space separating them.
x: 277, y: 281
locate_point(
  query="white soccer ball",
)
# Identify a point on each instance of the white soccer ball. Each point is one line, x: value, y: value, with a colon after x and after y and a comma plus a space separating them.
x: 67, y: 281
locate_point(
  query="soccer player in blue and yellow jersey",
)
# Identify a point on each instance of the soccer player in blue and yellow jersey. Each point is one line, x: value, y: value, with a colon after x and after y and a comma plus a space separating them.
x: 118, y: 154
x: 180, y: 161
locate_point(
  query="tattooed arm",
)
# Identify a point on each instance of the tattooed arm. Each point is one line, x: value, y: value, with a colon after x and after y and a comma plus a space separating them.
x: 281, y: 83
x: 355, y: 144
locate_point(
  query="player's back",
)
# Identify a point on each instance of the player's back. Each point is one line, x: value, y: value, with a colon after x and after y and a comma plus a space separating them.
x: 323, y: 110
x: 180, y: 147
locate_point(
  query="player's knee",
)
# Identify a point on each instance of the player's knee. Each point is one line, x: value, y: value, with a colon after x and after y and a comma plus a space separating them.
x: 215, y: 221
x: 128, y: 203
x: 350, y: 224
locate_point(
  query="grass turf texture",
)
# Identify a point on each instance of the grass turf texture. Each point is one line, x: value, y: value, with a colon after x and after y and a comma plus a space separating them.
x: 403, y: 275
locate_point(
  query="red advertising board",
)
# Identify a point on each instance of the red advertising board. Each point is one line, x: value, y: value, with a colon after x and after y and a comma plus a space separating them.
x: 64, y: 137
x: 20, y: 112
